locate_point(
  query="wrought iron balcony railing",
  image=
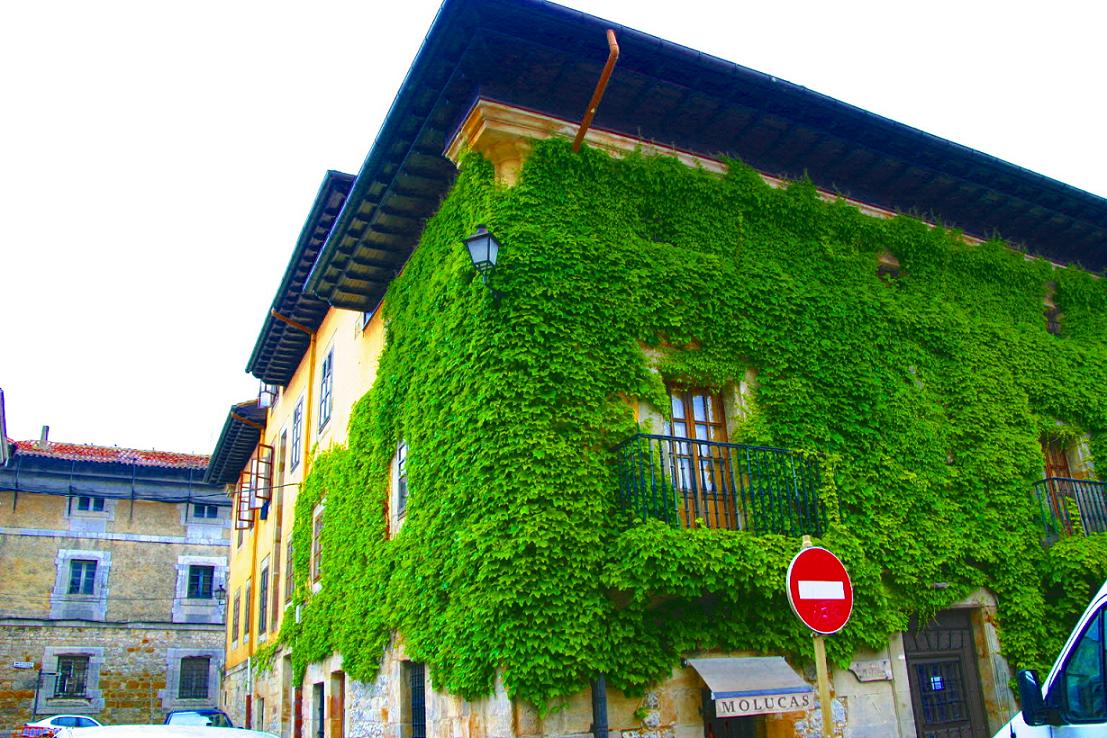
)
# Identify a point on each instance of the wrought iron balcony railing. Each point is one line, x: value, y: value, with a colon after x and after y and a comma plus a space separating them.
x: 1061, y: 501
x: 688, y: 483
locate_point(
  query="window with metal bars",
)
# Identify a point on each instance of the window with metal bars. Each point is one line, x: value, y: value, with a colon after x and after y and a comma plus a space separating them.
x: 200, y: 582
x: 326, y: 389
x: 417, y: 698
x: 72, y: 676
x: 193, y: 683
x: 82, y: 576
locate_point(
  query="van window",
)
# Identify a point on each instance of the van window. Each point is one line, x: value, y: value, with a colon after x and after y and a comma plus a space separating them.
x: 1083, y: 679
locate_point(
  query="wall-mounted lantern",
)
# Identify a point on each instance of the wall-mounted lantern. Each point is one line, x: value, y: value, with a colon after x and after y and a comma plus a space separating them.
x: 220, y: 595
x: 483, y: 250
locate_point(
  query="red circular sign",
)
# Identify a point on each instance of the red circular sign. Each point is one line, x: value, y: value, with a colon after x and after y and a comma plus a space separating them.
x: 819, y: 590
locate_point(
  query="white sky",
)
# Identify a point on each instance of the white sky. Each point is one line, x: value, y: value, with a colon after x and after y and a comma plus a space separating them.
x: 157, y: 159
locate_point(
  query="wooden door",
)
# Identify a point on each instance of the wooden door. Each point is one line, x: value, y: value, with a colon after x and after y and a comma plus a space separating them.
x: 944, y: 678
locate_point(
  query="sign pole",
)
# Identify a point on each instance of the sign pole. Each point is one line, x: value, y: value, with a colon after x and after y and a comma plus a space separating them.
x: 824, y: 684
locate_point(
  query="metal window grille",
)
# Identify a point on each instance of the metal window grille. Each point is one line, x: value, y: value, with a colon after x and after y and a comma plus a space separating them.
x: 297, y: 434
x: 418, y: 696
x: 82, y: 576
x: 194, y: 678
x: 200, y: 582
x: 72, y: 676
x: 263, y: 601
x: 326, y: 387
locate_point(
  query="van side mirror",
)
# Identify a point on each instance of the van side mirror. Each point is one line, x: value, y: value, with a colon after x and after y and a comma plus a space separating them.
x: 1034, y: 710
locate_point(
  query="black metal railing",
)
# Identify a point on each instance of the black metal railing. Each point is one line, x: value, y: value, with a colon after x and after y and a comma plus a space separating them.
x: 1060, y: 500
x: 688, y: 483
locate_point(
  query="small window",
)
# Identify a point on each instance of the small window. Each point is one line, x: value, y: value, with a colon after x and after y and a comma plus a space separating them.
x: 290, y: 579
x: 72, y: 676
x: 90, y: 504
x: 263, y: 600
x: 247, y: 611
x: 235, y: 617
x: 282, y: 458
x: 200, y: 582
x: 194, y: 678
x: 82, y: 576
x: 297, y: 434
x: 401, y: 479
x: 366, y: 317
x: 326, y: 389
x: 1083, y: 679
x: 205, y: 512
x: 317, y: 548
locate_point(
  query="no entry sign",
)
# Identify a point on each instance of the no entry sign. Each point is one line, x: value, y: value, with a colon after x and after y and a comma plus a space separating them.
x: 819, y: 590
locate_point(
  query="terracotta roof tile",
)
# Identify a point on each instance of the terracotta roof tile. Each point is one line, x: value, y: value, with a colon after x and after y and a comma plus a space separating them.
x: 112, y: 455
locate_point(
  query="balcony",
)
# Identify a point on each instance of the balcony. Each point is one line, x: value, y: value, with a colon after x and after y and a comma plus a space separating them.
x: 1068, y: 505
x: 688, y: 483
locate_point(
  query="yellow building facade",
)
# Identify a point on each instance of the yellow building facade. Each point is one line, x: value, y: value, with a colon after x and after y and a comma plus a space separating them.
x: 265, y: 453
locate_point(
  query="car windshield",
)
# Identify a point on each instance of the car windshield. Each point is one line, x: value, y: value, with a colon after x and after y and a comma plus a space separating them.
x: 215, y: 720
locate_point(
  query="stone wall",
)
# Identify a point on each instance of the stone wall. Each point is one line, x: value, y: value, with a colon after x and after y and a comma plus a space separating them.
x: 129, y: 685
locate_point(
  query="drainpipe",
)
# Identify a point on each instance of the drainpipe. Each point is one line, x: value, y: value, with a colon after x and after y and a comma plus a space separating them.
x: 599, y: 704
x: 612, y: 57
x: 309, y: 400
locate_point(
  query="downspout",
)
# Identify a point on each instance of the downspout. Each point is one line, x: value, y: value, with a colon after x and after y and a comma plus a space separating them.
x: 612, y: 57
x: 308, y: 398
x: 599, y: 703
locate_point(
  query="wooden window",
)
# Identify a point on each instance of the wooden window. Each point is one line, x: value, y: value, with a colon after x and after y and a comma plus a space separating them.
x: 274, y: 611
x: 193, y: 683
x: 1056, y: 458
x: 326, y: 389
x: 235, y: 611
x: 200, y: 582
x: 297, y: 440
x: 72, y: 676
x: 263, y: 600
x: 700, y: 471
x: 247, y: 610
x: 290, y: 579
x: 82, y: 576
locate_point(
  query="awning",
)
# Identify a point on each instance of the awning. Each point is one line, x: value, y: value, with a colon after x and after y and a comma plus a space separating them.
x: 754, y: 685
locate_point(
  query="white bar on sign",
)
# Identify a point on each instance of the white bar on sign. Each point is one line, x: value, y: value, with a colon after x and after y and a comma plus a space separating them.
x: 816, y: 590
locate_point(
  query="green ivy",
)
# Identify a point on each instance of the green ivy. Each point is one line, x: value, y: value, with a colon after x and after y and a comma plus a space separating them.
x: 925, y: 394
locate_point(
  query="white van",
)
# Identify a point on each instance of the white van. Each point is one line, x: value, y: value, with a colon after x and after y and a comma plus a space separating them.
x: 1072, y: 702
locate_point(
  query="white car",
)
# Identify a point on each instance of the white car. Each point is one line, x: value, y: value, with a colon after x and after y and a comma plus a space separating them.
x: 56, y: 722
x: 1072, y: 701
x: 162, y: 731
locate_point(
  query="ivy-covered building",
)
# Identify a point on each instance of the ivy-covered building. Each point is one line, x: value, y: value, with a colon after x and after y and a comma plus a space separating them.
x: 559, y: 497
